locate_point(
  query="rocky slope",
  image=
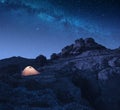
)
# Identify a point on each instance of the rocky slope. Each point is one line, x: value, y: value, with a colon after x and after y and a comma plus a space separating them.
x: 83, y: 76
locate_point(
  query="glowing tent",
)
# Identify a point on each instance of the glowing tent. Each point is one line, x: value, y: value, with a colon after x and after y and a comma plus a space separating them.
x: 29, y: 70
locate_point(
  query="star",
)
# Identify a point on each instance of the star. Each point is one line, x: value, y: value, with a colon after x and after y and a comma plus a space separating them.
x: 103, y: 15
x: 37, y: 28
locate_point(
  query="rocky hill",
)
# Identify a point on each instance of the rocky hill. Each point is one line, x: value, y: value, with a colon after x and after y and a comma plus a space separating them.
x: 83, y: 76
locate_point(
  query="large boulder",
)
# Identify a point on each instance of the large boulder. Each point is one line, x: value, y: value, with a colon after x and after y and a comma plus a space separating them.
x: 90, y: 44
x: 54, y: 56
x: 41, y: 60
x: 66, y: 51
x: 79, y: 43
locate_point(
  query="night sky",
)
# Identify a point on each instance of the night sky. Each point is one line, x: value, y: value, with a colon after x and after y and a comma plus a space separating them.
x: 32, y: 27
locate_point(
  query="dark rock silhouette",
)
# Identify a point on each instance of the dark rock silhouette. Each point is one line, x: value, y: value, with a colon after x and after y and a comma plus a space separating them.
x: 54, y: 56
x: 83, y: 76
x: 41, y: 60
x: 80, y: 46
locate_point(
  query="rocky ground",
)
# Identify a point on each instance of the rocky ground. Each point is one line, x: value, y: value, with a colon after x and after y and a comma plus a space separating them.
x: 83, y: 76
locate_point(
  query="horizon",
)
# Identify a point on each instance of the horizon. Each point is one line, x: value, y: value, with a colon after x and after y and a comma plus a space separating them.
x: 50, y: 54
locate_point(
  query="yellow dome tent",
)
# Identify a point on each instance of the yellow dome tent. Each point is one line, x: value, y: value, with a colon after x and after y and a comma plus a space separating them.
x: 29, y: 70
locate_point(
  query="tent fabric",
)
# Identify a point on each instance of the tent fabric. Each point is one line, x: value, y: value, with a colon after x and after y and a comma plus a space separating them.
x: 29, y: 70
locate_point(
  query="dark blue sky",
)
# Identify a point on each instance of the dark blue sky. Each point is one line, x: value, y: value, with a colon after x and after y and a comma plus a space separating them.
x: 32, y: 27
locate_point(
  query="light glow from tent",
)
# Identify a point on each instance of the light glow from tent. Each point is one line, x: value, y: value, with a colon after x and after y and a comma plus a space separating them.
x: 29, y: 70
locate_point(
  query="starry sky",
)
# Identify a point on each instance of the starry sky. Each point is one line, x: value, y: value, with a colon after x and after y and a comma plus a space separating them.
x: 29, y: 28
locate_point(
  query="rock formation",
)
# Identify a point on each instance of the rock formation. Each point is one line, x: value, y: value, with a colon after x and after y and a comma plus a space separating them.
x: 80, y: 46
x: 83, y: 76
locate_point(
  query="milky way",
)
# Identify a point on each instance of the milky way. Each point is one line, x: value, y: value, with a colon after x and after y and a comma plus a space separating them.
x: 32, y: 27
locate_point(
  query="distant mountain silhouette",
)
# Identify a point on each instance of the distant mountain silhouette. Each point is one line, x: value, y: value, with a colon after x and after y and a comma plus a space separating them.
x: 83, y: 76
